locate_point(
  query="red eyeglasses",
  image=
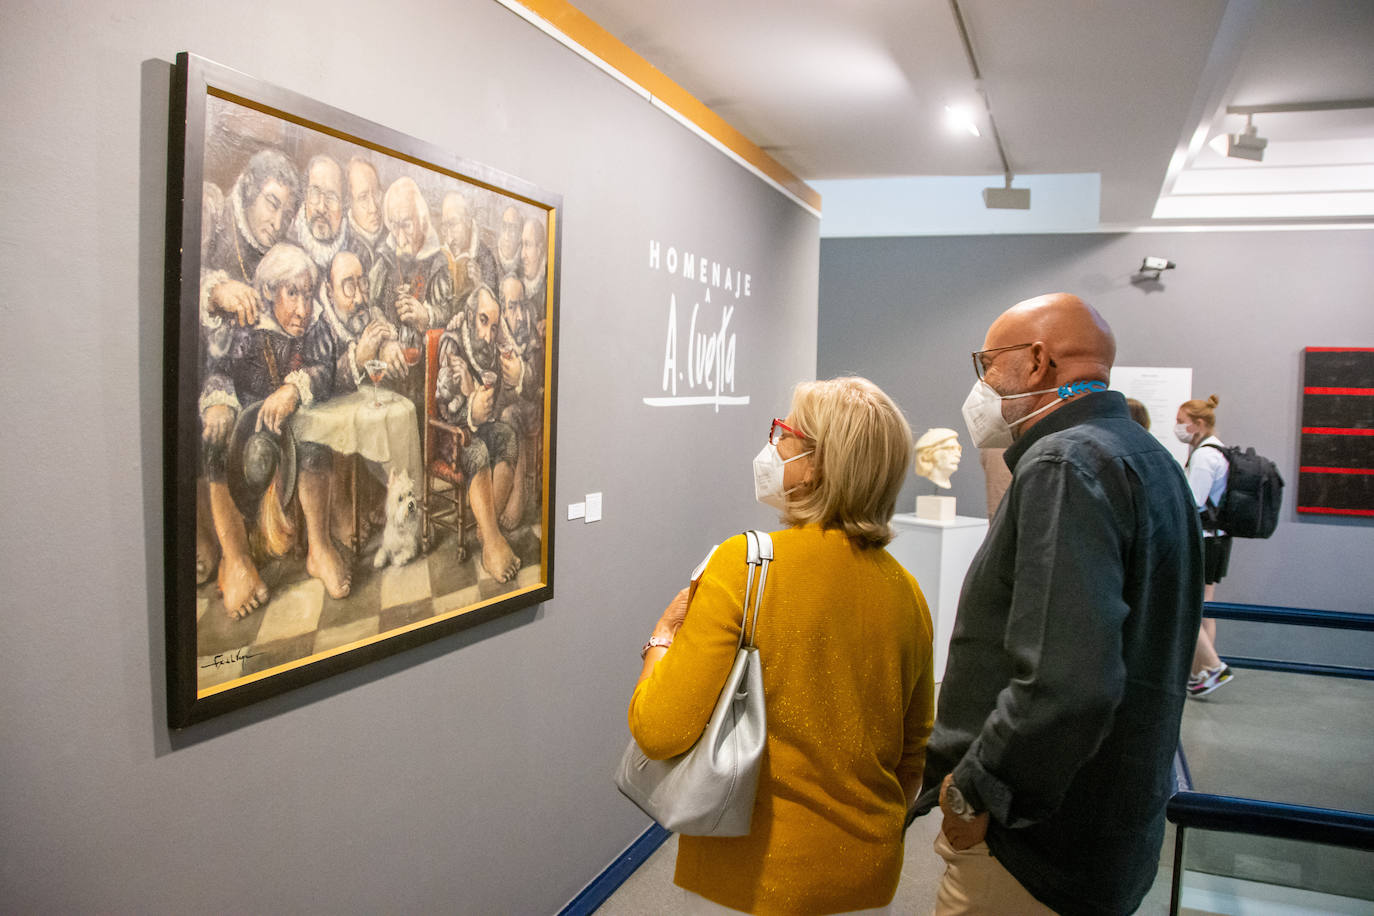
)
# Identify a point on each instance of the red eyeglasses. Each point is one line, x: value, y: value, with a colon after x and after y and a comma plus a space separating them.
x: 779, y: 429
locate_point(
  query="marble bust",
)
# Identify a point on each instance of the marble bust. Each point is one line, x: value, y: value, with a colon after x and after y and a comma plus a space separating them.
x: 937, y: 455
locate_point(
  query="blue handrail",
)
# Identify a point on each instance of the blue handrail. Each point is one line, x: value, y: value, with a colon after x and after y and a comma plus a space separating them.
x: 1293, y: 616
x: 1263, y: 613
x: 1275, y: 819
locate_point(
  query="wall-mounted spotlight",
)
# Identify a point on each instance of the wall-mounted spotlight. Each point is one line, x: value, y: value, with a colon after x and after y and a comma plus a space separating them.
x: 1247, y: 144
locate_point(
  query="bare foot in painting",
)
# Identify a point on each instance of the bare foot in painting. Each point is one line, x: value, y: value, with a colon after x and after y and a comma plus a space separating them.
x: 207, y: 560
x: 342, y: 529
x: 499, y: 560
x: 242, y: 588
x: 207, y: 542
x: 510, y: 519
x: 325, y: 564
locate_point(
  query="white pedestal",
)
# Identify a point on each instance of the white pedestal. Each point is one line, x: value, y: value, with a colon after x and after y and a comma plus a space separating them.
x: 935, y: 508
x: 938, y: 554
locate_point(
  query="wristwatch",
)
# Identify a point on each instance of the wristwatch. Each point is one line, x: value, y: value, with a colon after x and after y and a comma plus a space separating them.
x: 958, y: 804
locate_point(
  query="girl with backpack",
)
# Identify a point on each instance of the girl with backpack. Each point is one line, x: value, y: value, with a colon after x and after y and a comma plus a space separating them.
x: 1206, y: 469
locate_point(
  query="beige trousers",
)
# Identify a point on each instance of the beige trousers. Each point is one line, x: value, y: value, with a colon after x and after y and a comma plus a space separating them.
x: 976, y: 884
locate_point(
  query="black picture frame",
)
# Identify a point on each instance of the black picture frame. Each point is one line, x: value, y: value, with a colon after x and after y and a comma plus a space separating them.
x: 219, y: 201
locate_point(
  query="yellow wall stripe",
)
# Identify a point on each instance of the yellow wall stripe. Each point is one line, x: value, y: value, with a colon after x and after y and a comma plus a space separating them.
x: 578, y: 27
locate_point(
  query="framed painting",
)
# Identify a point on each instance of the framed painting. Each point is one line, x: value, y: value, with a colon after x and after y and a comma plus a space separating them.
x: 1336, y: 447
x: 360, y: 410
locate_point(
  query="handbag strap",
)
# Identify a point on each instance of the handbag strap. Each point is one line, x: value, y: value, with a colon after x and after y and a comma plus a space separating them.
x: 759, y: 552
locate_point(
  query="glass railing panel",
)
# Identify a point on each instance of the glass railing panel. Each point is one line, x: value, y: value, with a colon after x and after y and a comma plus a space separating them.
x: 1292, y: 738
x: 1237, y: 873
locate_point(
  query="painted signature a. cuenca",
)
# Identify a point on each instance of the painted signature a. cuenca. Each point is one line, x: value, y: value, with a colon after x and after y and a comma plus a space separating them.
x: 222, y: 659
x: 709, y: 371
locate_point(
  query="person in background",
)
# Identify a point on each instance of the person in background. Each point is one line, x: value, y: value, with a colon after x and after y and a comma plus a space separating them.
x: 1139, y: 413
x: 1207, y: 470
x: 1051, y: 758
x: 996, y: 477
x: 844, y: 637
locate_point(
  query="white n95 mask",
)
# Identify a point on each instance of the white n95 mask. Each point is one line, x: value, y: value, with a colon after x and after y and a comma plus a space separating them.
x: 768, y: 466
x: 983, y: 414
x: 1181, y: 432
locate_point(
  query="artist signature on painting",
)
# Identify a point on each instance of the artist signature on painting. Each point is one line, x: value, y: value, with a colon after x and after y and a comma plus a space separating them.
x: 229, y: 658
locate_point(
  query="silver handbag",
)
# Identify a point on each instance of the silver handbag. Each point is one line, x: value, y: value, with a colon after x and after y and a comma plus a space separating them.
x: 709, y: 790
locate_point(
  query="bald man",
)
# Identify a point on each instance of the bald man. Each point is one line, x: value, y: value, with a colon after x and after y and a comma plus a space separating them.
x: 1059, y: 712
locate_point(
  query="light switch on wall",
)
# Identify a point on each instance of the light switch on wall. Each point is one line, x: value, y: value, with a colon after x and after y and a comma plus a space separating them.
x: 576, y: 510
x: 593, y: 507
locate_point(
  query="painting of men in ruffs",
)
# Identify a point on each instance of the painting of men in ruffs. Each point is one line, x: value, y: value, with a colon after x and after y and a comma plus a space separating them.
x: 374, y: 342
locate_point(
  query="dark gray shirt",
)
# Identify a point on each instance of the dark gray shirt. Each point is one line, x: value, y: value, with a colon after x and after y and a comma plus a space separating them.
x: 1060, y: 707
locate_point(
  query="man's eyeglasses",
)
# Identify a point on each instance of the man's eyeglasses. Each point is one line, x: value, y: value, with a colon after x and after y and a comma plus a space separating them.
x: 314, y: 195
x: 779, y: 429
x: 981, y: 362
x: 351, y: 286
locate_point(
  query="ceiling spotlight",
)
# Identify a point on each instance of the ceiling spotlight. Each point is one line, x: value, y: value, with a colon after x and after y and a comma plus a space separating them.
x: 961, y: 119
x: 1247, y: 144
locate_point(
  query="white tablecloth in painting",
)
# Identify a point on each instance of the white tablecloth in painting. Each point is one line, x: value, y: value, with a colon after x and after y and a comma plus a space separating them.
x: 350, y: 425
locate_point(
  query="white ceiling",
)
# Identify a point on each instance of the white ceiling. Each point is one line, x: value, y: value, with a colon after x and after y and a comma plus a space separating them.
x: 1125, y: 88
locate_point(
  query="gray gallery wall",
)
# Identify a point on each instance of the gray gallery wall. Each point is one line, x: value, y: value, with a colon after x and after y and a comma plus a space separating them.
x: 470, y: 775
x: 1239, y: 309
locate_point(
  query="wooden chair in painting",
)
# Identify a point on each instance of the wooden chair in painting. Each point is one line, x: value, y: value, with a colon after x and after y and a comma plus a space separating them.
x: 445, y: 486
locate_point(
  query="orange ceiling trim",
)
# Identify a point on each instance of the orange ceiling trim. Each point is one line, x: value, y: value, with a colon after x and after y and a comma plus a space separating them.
x: 579, y: 27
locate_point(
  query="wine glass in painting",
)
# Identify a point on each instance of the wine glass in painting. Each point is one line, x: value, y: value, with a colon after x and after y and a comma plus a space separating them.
x: 376, y: 368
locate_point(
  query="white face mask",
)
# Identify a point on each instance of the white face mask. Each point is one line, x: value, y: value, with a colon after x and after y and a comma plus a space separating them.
x: 1182, y: 433
x: 768, y: 466
x: 983, y: 414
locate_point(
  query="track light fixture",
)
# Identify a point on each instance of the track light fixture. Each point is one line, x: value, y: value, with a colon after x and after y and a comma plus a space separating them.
x: 1005, y: 198
x: 1247, y: 144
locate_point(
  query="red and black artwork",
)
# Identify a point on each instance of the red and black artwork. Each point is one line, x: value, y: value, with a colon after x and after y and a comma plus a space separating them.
x: 1336, y: 453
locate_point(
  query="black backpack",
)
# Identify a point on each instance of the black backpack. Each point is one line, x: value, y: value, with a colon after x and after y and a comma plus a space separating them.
x: 1254, y: 491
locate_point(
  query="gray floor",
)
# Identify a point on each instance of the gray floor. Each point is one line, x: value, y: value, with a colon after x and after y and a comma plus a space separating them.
x: 1282, y: 737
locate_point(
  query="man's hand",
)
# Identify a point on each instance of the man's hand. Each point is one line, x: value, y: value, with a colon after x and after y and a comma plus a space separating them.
x: 412, y: 312
x: 237, y: 300
x: 216, y: 424
x: 394, y: 358
x: 511, y: 368
x: 480, y: 405
x: 371, y: 339
x: 960, y: 834
x: 279, y: 405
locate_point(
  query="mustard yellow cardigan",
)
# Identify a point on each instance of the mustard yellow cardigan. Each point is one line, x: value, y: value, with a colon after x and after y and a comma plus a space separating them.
x: 845, y: 641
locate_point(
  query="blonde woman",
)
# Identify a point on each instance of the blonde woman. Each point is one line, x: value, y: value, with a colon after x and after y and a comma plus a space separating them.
x: 1207, y: 471
x: 845, y: 642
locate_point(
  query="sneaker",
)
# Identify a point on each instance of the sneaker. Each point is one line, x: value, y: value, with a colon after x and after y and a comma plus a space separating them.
x: 1208, y: 679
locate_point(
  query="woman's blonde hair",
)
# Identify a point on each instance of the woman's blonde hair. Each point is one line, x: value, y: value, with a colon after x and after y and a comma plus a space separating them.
x: 1199, y: 411
x: 861, y: 449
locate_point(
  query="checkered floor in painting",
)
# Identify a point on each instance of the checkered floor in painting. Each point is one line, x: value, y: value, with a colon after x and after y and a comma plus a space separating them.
x: 301, y: 620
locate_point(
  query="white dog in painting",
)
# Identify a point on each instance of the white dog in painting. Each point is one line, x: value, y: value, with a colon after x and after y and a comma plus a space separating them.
x: 401, y: 536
